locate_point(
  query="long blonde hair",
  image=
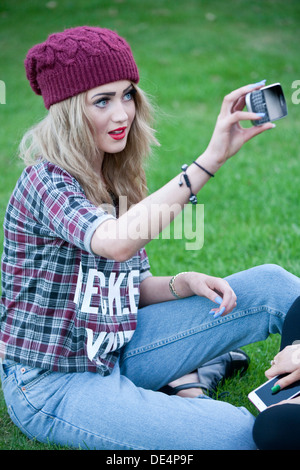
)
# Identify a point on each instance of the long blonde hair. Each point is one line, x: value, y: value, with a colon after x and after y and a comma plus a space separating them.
x: 66, y: 138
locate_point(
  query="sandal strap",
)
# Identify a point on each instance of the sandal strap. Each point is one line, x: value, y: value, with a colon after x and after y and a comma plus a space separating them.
x: 186, y: 386
x: 167, y: 389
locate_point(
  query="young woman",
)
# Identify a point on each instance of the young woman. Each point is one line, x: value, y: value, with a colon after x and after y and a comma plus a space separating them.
x: 88, y: 335
x: 277, y: 428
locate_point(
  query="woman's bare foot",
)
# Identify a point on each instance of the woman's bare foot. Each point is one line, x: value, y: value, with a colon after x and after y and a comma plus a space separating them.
x: 187, y: 379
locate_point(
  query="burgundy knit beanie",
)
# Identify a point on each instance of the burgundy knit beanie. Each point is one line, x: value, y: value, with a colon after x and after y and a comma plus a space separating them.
x: 77, y: 60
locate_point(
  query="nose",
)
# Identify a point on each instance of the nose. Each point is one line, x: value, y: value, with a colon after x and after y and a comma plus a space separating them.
x: 119, y: 113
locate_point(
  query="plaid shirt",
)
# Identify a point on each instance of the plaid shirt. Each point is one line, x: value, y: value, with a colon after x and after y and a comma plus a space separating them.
x: 62, y: 307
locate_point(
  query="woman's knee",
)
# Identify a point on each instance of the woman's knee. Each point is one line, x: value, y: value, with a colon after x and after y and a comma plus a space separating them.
x: 270, y: 271
x: 267, y: 283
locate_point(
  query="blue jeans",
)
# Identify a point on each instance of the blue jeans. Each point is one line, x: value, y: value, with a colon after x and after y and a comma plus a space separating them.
x: 124, y: 410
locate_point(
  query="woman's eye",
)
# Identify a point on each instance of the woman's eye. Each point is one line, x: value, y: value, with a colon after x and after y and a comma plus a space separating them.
x: 101, y: 103
x: 129, y: 95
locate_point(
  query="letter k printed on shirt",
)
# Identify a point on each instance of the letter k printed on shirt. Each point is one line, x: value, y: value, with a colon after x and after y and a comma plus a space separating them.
x: 105, y: 297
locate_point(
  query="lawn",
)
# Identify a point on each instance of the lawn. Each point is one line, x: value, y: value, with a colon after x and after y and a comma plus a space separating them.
x: 190, y: 54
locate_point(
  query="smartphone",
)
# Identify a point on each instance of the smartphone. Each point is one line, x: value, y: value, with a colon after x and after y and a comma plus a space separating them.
x: 269, y: 100
x: 262, y: 397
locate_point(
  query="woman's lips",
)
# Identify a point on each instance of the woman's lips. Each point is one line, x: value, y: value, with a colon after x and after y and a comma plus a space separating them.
x: 118, y: 134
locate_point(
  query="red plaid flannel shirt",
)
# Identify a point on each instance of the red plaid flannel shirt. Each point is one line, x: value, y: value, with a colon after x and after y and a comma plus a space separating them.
x: 62, y: 307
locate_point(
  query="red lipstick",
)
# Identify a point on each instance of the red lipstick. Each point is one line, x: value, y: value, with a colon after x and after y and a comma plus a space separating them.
x: 118, y: 134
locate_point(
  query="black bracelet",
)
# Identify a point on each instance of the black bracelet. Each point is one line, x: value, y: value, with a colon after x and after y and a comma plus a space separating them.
x: 193, y: 197
x: 204, y: 169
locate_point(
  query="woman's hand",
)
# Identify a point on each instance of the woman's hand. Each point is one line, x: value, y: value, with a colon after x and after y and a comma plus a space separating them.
x: 228, y: 136
x: 214, y: 288
x: 286, y: 361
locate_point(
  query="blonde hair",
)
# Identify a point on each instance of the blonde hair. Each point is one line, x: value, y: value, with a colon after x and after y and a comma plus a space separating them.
x: 66, y: 137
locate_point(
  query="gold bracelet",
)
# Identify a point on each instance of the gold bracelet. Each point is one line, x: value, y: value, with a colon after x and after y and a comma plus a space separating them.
x: 172, y: 286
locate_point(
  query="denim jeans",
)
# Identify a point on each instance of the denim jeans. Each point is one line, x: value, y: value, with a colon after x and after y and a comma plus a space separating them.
x: 125, y: 410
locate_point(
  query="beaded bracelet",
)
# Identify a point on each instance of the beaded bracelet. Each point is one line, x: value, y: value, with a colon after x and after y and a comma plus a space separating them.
x: 193, y: 198
x: 172, y: 287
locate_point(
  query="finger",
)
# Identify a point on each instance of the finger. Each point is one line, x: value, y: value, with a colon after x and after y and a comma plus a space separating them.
x: 218, y: 300
x: 244, y: 116
x: 228, y: 295
x: 240, y: 104
x: 272, y: 372
x: 276, y: 367
x: 256, y: 130
x: 227, y: 303
x: 225, y: 297
x: 287, y: 380
x: 219, y: 312
x: 234, y: 96
x: 212, y: 295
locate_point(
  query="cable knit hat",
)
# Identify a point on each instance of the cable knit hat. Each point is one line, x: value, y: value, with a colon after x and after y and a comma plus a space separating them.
x: 77, y: 60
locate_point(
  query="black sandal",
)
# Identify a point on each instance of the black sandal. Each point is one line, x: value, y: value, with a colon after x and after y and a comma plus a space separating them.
x: 214, y: 372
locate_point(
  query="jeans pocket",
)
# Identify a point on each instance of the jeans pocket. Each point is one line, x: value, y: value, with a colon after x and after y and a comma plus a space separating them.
x: 27, y: 376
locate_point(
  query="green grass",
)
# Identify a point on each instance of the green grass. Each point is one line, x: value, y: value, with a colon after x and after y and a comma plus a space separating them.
x: 190, y: 54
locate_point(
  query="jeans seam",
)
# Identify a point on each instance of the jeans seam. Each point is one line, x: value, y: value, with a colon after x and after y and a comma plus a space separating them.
x: 90, y: 433
x: 18, y: 423
x: 193, y: 331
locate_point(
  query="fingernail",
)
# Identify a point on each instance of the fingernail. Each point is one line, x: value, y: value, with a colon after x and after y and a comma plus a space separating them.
x: 211, y: 312
x: 262, y: 82
x: 275, y: 389
x: 218, y: 314
x: 218, y: 300
x: 261, y: 115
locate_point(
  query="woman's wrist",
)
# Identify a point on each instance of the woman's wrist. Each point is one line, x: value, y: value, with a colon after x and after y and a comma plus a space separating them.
x: 179, y: 285
x: 196, y: 175
x: 209, y: 162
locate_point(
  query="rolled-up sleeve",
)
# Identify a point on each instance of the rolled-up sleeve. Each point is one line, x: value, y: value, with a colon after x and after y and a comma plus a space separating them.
x: 57, y: 201
x: 144, y: 265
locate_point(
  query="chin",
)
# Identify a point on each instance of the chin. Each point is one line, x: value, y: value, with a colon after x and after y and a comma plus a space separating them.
x: 116, y: 148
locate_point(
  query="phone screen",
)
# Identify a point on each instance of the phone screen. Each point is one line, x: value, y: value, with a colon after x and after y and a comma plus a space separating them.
x: 275, y: 102
x: 265, y: 394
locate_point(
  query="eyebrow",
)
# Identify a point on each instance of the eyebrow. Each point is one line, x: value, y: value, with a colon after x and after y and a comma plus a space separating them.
x: 113, y: 93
